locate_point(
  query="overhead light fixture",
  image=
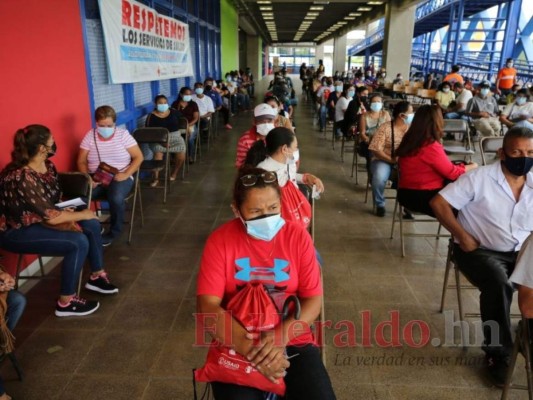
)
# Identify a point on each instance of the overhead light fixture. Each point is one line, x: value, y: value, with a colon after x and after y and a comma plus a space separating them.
x: 354, y: 14
x: 375, y: 3
x: 309, y: 14
x: 364, y: 8
x: 266, y: 8
x: 341, y: 23
x: 316, y: 8
x: 264, y: 2
x: 268, y: 17
x: 267, y: 14
x: 321, y: 2
x: 349, y: 18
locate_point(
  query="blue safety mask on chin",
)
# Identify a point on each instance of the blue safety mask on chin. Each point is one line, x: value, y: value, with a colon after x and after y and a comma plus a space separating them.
x: 265, y: 227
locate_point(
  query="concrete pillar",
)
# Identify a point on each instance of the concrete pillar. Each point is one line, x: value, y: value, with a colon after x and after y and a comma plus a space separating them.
x: 339, y: 53
x: 253, y: 55
x: 319, y: 54
x: 397, y: 45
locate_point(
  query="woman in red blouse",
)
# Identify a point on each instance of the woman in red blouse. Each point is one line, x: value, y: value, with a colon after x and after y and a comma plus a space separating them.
x: 424, y: 166
x: 31, y: 223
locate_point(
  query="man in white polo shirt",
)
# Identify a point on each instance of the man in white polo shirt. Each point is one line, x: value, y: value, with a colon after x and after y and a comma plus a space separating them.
x: 523, y: 277
x: 205, y: 105
x: 494, y: 220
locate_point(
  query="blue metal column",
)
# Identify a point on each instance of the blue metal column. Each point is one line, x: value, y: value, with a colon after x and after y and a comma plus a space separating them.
x: 493, y: 57
x: 459, y: 24
x: 449, y: 39
x: 511, y: 30
x: 430, y: 36
x: 367, y: 56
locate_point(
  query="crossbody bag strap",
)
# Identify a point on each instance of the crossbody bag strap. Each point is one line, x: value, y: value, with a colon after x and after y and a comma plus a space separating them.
x: 96, y: 145
x: 392, y: 138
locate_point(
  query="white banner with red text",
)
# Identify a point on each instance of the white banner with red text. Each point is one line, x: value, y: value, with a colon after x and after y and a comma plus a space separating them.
x: 143, y: 45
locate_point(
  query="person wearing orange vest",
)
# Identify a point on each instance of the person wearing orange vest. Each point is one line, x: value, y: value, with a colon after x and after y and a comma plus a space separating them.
x: 454, y: 76
x: 506, y: 78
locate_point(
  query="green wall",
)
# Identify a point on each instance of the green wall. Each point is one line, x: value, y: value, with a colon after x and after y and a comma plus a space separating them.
x: 229, y: 37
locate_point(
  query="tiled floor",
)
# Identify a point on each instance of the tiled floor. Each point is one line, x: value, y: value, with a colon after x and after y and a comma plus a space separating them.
x: 139, y: 344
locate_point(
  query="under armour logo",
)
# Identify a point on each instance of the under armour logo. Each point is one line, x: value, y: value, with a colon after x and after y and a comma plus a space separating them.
x: 276, y: 273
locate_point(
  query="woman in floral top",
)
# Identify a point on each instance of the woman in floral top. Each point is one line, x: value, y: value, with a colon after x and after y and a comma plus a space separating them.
x: 382, y: 150
x: 31, y: 223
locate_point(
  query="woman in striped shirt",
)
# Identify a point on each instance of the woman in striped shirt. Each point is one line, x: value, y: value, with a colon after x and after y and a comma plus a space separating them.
x: 116, y: 147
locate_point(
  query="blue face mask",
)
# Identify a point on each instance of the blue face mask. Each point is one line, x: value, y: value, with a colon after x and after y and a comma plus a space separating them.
x: 162, y: 107
x: 409, y: 118
x: 199, y: 90
x: 265, y: 227
x: 105, y: 131
x: 484, y: 92
x: 521, y: 101
x: 187, y: 97
x: 338, y: 88
x: 376, y: 107
x: 351, y: 93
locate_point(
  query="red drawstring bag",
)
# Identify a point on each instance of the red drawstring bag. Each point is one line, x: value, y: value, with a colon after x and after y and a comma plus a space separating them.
x: 256, y: 311
x: 295, y: 206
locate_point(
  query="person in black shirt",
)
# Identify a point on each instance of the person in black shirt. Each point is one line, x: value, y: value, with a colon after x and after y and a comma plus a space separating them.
x: 165, y: 117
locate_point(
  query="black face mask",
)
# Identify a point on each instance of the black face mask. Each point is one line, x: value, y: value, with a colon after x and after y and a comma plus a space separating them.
x: 518, y: 166
x: 208, y: 88
x: 364, y: 99
x: 53, y: 150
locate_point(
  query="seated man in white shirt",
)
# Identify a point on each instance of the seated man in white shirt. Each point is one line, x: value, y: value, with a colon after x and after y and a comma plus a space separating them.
x: 205, y: 105
x: 495, y: 218
x: 462, y: 97
x: 519, y: 112
x: 523, y: 278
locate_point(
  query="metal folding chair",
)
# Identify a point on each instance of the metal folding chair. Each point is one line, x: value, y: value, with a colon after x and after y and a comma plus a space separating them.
x: 397, y: 216
x: 459, y: 126
x: 489, y: 145
x: 160, y: 136
x: 521, y: 345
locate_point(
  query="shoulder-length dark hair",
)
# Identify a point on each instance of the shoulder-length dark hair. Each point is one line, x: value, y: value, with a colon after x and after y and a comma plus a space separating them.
x: 26, y: 145
x: 427, y: 127
x: 276, y: 138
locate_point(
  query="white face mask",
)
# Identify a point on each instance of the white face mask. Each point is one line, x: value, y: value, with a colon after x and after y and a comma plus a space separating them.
x: 263, y: 129
x: 295, y: 156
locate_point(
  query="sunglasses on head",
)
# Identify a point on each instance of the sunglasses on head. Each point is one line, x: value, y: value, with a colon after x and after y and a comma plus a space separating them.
x: 251, y: 179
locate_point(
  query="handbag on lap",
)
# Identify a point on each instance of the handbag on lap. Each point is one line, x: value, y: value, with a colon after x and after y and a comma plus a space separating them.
x: 105, y: 173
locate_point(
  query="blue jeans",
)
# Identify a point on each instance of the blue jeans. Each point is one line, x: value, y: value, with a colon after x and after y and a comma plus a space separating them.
x: 453, y: 115
x: 115, y: 194
x: 524, y: 124
x: 192, y: 143
x: 16, y: 303
x: 322, y: 116
x: 75, y: 247
x: 380, y: 174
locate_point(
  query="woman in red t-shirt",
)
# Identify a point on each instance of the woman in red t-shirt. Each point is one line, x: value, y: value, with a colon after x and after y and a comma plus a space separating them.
x: 423, y: 165
x: 258, y: 246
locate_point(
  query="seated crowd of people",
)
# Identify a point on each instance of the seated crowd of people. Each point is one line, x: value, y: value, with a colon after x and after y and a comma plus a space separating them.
x: 484, y: 208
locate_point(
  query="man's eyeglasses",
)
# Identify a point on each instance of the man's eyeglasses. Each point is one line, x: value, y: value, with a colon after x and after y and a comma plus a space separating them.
x: 251, y: 179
